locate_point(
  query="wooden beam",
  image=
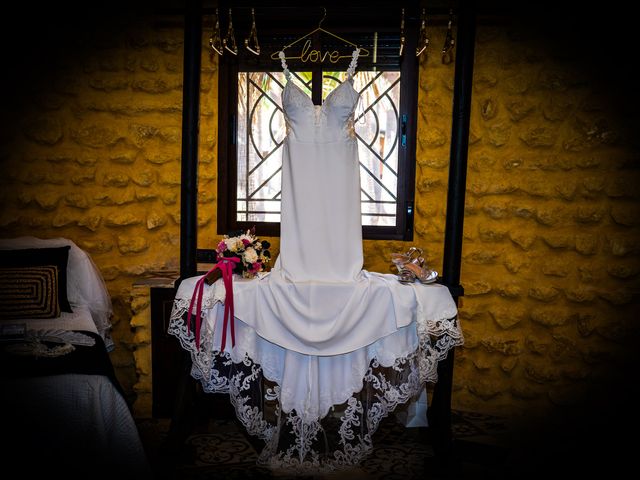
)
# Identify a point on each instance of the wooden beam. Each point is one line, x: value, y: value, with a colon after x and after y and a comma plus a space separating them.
x: 190, y: 131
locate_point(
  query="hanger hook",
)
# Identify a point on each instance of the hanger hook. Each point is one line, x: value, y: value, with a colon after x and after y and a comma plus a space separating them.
x: 323, y: 16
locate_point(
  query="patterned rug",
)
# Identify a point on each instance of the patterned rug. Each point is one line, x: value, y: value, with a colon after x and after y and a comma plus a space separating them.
x: 221, y: 449
x: 594, y: 439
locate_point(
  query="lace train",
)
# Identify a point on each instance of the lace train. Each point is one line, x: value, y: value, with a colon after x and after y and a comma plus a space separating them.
x: 304, y: 438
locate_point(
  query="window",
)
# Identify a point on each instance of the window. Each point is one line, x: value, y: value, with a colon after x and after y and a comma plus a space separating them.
x: 252, y: 131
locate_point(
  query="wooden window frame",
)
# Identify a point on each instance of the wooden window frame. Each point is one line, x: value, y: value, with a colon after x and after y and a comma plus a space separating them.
x: 388, y: 41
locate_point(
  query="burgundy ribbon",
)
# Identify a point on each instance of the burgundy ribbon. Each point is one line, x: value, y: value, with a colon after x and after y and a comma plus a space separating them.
x: 226, y: 266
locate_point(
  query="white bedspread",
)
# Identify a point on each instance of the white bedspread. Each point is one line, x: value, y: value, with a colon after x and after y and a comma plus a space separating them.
x: 61, y: 423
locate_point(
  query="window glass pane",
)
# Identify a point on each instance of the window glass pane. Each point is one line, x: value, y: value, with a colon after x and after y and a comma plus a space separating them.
x: 377, y: 123
x: 261, y: 131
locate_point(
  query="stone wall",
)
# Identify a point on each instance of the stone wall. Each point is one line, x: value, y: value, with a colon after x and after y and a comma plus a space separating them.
x: 550, y: 256
x: 91, y: 151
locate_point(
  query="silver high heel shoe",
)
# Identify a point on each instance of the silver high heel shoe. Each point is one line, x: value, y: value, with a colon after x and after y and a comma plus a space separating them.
x: 414, y: 255
x: 411, y: 267
x: 422, y: 274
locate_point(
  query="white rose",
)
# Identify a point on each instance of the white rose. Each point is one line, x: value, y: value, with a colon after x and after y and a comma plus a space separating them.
x: 250, y: 255
x: 234, y: 244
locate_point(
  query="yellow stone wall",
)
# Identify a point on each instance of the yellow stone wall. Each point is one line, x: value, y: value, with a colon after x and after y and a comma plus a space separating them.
x: 91, y: 151
x: 91, y: 145
x: 550, y: 256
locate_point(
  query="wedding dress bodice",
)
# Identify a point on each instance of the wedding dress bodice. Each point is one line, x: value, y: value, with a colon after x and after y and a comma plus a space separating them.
x: 330, y: 122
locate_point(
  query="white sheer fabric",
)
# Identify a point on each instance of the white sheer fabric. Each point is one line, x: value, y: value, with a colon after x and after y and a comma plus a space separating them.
x: 85, y: 285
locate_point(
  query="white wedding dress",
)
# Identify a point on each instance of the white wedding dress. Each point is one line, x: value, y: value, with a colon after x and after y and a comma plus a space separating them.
x: 318, y: 300
x: 324, y: 349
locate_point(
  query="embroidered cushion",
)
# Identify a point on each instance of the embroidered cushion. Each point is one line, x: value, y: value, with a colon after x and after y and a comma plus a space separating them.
x: 29, y: 292
x: 33, y: 283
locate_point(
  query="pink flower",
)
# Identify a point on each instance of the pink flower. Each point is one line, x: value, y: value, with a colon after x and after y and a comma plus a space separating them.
x: 221, y: 247
x: 246, y: 242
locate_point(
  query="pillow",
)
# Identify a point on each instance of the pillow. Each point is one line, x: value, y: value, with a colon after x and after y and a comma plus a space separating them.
x: 29, y: 292
x: 18, y: 263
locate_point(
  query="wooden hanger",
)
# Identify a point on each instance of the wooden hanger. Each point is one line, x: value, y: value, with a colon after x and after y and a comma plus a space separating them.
x: 333, y: 57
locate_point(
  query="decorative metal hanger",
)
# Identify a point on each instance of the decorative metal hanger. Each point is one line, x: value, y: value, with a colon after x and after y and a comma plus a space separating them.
x: 316, y: 55
x: 230, y: 40
x: 449, y: 42
x: 402, y: 37
x: 423, y: 41
x: 251, y: 42
x: 215, y: 40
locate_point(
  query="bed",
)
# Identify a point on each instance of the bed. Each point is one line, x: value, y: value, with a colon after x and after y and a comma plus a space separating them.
x: 62, y: 408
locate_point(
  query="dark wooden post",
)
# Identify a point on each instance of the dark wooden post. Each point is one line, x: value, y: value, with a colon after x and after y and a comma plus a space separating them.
x: 440, y: 412
x: 182, y: 418
x: 190, y: 131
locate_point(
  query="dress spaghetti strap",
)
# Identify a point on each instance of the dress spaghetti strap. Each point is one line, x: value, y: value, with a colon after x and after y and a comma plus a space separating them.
x: 285, y: 68
x: 354, y: 63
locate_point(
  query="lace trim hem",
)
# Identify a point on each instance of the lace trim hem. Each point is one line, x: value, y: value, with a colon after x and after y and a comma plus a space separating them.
x: 338, y: 438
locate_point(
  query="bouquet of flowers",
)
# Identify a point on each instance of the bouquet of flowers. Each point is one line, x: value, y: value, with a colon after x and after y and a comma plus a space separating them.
x: 253, y: 253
